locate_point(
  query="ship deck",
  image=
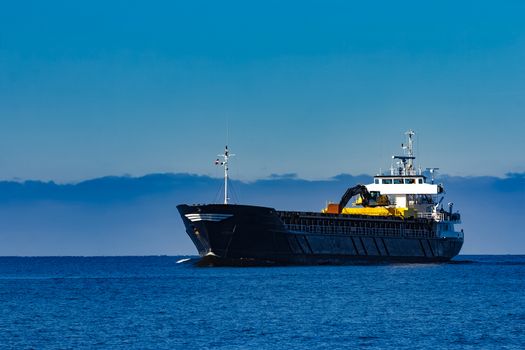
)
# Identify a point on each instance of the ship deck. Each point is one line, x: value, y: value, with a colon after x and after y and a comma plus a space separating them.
x: 361, y: 225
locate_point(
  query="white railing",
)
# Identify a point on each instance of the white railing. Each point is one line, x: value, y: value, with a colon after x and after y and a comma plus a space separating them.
x: 435, y: 216
x: 440, y: 216
x: 432, y: 216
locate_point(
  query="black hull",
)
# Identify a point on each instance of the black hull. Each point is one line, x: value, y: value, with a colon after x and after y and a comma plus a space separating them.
x: 242, y: 235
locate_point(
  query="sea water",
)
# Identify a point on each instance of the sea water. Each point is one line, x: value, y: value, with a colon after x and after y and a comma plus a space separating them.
x: 475, y: 302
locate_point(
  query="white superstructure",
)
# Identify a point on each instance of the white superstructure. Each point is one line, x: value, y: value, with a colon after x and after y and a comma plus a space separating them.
x: 407, y: 188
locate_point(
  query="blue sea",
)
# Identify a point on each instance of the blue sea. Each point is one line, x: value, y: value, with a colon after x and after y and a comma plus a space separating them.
x: 475, y: 302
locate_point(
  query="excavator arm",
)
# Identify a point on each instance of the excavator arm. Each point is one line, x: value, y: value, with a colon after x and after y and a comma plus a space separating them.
x: 353, y: 191
x: 368, y: 199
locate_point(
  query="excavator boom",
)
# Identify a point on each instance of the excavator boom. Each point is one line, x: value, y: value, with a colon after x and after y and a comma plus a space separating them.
x: 351, y: 192
x: 354, y: 191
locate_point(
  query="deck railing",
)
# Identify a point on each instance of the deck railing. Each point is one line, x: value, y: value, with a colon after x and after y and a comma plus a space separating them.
x: 440, y: 216
x: 361, y: 231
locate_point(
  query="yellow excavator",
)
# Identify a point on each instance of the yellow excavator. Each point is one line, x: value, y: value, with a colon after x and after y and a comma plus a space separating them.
x: 373, y: 204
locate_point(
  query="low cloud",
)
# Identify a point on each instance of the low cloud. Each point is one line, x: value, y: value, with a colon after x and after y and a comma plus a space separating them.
x: 137, y: 215
x: 284, y: 176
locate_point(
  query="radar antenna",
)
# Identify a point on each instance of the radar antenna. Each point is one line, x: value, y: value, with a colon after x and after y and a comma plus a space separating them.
x: 225, y: 158
x: 432, y: 172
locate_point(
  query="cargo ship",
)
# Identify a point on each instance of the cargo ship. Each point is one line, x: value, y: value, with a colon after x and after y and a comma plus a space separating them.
x: 399, y: 217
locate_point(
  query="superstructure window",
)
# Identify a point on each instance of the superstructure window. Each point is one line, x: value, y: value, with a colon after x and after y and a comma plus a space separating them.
x: 376, y: 181
x: 387, y: 181
x: 420, y: 181
x: 410, y: 181
x: 398, y: 181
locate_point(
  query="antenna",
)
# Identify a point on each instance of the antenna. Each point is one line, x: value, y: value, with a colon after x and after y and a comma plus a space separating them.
x: 227, y: 131
x: 419, y: 170
x: 225, y: 158
x: 410, y: 152
x: 433, y: 172
x: 407, y: 160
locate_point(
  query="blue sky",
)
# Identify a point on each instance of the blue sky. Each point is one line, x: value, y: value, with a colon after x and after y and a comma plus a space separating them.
x: 317, y: 88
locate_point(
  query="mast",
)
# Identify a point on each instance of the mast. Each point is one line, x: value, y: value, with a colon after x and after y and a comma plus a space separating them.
x: 410, y: 152
x: 406, y: 164
x: 226, y: 156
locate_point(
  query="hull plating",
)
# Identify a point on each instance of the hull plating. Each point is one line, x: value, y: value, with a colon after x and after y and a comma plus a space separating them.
x: 252, y: 235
